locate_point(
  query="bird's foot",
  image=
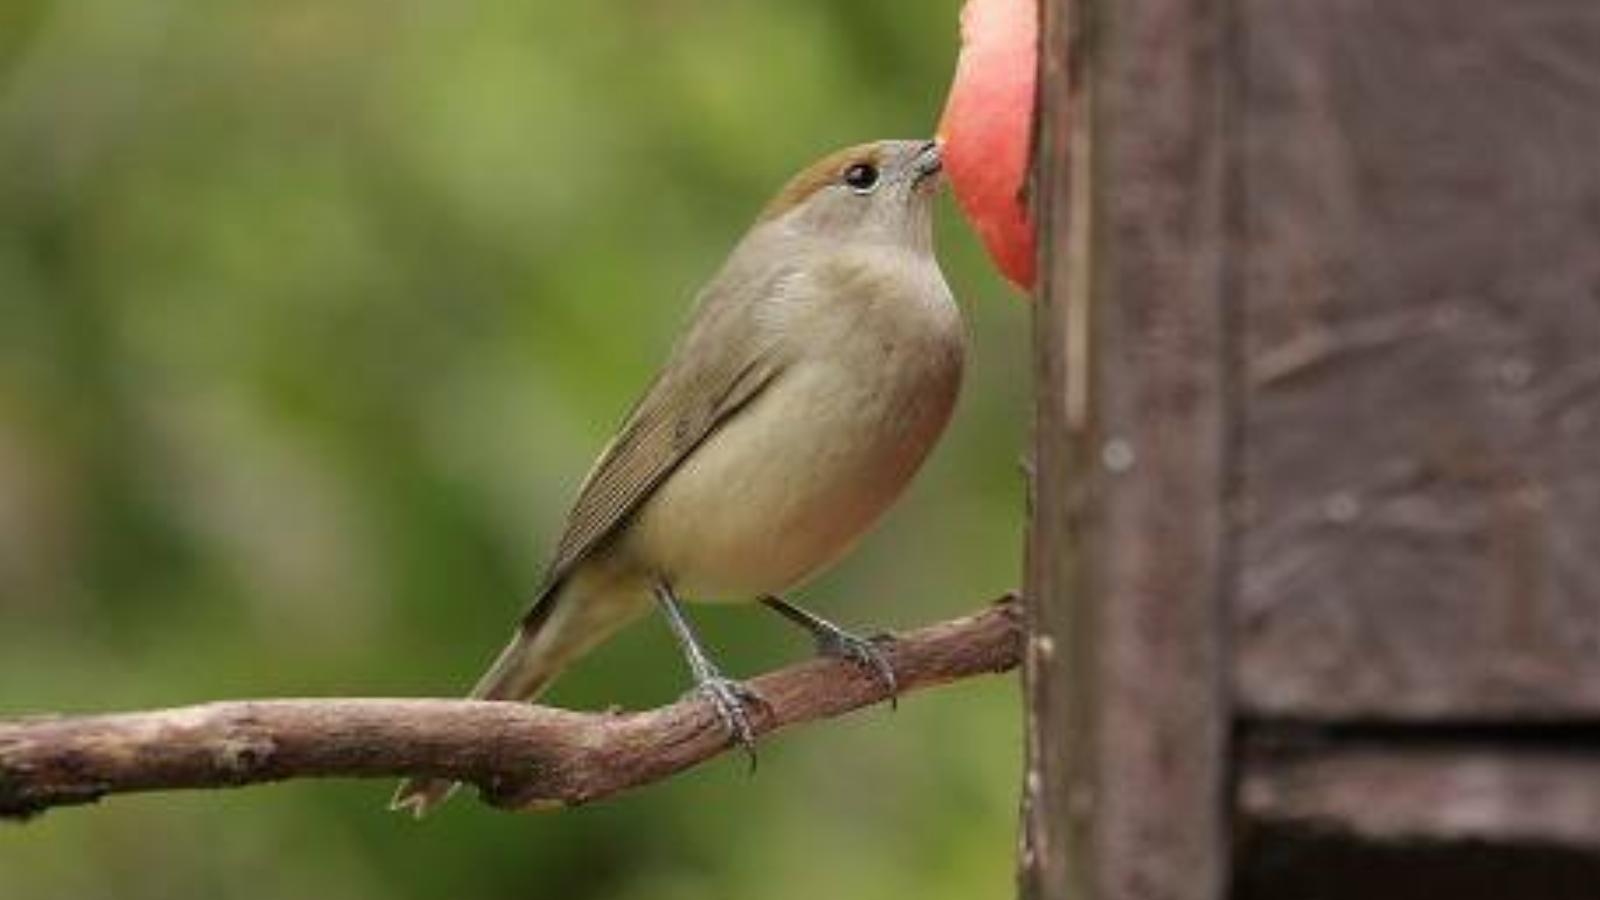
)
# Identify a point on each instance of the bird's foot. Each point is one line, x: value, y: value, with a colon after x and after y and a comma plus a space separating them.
x: 732, y: 701
x: 838, y: 643
x: 867, y: 652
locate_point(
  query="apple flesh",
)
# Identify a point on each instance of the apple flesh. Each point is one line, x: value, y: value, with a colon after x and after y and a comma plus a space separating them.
x: 987, y: 129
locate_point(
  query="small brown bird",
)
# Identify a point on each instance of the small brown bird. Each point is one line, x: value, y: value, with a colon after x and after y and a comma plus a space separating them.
x: 819, y: 368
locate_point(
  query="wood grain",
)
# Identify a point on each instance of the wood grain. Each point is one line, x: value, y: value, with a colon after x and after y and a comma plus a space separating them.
x: 1441, y: 791
x: 1465, y: 817
x: 1418, y: 514
x: 1125, y: 660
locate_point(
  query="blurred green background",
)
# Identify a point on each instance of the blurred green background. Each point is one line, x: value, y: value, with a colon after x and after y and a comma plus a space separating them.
x: 312, y: 314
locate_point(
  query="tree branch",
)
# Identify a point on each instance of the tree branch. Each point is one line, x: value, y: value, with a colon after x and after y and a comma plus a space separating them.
x: 519, y: 756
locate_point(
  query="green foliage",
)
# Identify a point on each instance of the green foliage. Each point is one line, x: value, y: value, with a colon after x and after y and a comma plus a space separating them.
x: 312, y: 314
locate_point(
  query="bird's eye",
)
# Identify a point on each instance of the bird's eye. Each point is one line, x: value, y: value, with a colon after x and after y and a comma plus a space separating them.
x: 861, y: 177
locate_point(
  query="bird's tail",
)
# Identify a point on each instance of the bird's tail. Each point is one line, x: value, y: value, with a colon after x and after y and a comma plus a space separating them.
x: 519, y: 673
x: 548, y: 641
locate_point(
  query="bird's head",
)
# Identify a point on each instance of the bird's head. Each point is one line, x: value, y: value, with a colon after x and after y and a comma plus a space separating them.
x: 880, y: 192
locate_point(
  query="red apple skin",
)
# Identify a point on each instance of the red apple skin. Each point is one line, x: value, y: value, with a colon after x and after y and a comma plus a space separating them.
x: 987, y: 129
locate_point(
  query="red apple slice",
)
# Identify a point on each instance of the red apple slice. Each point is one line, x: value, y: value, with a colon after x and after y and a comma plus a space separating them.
x: 987, y: 129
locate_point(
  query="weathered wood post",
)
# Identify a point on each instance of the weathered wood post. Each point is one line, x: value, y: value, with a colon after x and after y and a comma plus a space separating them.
x: 1126, y: 560
x: 1315, y: 564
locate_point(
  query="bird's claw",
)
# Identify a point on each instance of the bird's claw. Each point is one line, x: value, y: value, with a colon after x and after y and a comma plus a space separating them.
x: 730, y: 700
x: 866, y: 652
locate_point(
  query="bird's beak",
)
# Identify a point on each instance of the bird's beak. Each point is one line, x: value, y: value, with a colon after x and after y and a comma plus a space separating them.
x: 927, y: 162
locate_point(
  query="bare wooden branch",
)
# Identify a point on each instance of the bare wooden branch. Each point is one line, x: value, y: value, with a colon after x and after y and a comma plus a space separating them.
x: 520, y: 756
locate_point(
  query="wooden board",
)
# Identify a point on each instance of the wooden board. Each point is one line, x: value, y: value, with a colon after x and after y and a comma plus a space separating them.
x: 1128, y: 684
x: 1417, y: 492
x: 1431, y: 819
x: 1432, y: 792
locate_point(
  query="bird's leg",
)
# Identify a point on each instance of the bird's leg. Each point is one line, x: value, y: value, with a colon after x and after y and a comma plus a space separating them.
x: 728, y: 697
x: 836, y: 642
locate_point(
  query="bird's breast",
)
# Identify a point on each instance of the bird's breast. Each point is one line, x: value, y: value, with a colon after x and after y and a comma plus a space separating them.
x: 789, y: 484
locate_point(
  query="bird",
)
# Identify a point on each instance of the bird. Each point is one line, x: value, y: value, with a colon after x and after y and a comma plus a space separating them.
x: 816, y: 372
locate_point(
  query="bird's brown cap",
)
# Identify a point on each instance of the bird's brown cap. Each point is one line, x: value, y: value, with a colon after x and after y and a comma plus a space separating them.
x: 819, y: 175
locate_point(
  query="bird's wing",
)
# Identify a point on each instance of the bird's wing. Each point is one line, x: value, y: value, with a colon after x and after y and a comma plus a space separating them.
x: 721, y: 365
